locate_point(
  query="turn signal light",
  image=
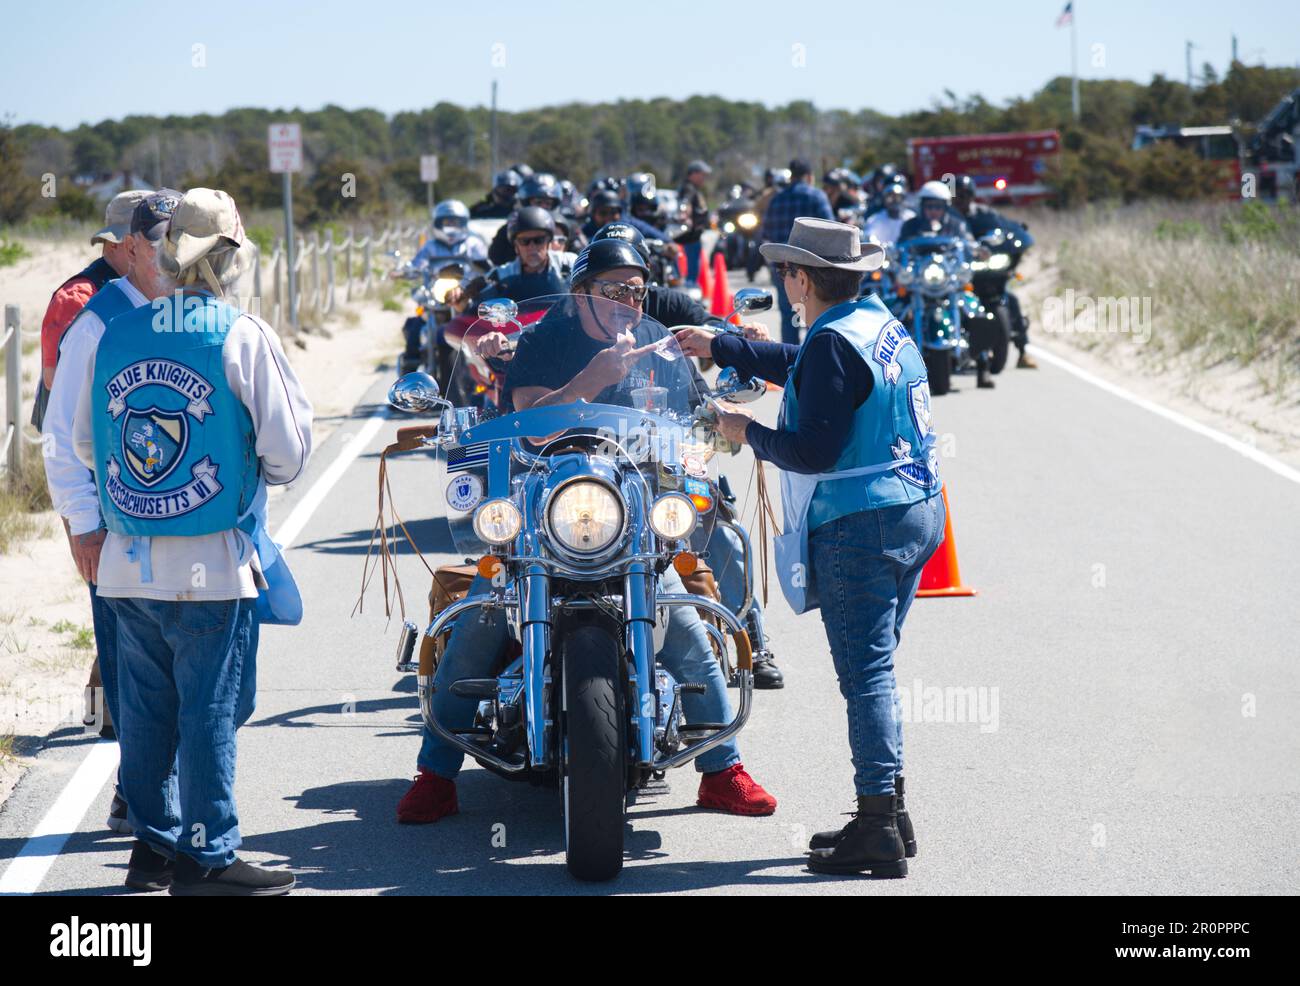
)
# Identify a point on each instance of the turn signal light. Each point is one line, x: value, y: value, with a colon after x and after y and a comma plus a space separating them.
x: 489, y: 566
x: 686, y: 563
x: 703, y: 503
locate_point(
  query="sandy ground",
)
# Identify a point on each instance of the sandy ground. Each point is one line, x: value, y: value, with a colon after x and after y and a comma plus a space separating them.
x: 45, y: 644
x: 1227, y: 397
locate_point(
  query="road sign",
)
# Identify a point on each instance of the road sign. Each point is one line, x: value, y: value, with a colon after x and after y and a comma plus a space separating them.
x: 284, y: 147
x: 428, y: 167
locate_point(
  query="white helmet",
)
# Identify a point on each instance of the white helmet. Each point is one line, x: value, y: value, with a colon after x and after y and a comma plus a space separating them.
x: 936, y: 190
x: 451, y: 221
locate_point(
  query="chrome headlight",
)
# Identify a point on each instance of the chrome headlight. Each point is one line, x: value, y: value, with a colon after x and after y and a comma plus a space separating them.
x: 440, y: 288
x: 673, y: 517
x: 934, y: 276
x: 585, y: 516
x: 747, y: 220
x: 497, y: 522
x: 999, y: 261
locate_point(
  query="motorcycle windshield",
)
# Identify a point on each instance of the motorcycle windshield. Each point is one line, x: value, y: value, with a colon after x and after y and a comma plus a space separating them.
x: 585, y: 390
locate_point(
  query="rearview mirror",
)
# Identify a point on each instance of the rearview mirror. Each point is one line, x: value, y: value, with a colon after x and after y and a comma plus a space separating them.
x: 415, y: 392
x: 748, y: 301
x: 499, y: 313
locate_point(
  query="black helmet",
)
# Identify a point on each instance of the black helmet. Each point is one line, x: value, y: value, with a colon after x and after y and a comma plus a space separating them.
x: 522, y: 170
x: 541, y: 186
x: 836, y: 176
x: 505, y: 178
x: 641, y: 189
x: 530, y: 219
x: 963, y: 186
x: 599, y: 185
x: 605, y: 199
x: 605, y: 255
x: 628, y: 234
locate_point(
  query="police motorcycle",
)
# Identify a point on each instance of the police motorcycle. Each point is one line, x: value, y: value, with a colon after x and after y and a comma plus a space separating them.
x: 933, y: 297
x: 573, y: 511
x: 738, y: 222
x: 1007, y: 242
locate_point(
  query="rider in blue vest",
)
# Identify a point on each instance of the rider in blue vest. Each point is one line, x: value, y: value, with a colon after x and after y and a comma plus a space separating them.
x: 860, y: 490
x: 188, y: 411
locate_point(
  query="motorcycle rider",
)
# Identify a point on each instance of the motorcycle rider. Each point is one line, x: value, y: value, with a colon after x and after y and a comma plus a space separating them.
x: 839, y: 186
x: 536, y: 271
x: 965, y: 203
x: 451, y: 241
x: 938, y: 218
x: 607, y: 207
x: 540, y: 190
x: 588, y: 350
x: 774, y: 180
x: 884, y: 225
x: 500, y: 202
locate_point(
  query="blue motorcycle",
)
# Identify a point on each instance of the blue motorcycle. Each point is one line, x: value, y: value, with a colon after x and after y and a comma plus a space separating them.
x: 1007, y: 241
x: 932, y: 296
x: 574, y: 513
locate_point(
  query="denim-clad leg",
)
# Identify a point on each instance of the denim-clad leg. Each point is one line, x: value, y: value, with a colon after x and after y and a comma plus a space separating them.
x: 867, y: 567
x: 688, y: 656
x: 186, y: 681
x: 475, y: 649
x: 692, y: 251
x: 104, y: 622
x: 789, y: 334
x: 727, y: 559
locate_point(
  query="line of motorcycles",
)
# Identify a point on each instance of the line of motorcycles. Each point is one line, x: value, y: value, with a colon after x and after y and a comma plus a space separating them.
x: 955, y: 300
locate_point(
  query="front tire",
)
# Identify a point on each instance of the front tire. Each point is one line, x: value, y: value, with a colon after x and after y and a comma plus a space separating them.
x: 595, y: 750
x: 938, y: 367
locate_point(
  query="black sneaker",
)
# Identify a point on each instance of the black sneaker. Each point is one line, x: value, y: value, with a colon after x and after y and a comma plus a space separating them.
x: 149, y: 870
x: 117, y: 816
x: 239, y: 879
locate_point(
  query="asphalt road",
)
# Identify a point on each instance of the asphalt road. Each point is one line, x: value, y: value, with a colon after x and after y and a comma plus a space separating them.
x: 1132, y: 658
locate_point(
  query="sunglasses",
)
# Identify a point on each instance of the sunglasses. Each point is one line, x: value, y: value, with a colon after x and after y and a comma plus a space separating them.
x: 618, y: 291
x: 787, y: 270
x: 530, y: 241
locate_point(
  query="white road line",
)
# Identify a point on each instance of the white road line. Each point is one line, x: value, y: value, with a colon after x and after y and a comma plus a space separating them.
x: 38, y: 853
x: 51, y: 834
x: 1238, y: 446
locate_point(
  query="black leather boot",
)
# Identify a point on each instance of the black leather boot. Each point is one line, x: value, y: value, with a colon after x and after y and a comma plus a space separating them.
x: 983, y: 379
x: 870, y: 843
x: 827, y: 840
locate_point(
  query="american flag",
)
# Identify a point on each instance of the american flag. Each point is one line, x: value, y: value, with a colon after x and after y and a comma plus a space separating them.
x: 1067, y: 15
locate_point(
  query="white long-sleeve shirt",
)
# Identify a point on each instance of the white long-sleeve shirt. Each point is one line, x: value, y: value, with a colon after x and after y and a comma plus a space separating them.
x: 214, y: 566
x: 884, y: 228
x: 72, y: 485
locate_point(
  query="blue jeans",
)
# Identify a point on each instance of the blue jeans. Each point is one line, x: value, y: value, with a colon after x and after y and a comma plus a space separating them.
x: 867, y: 568
x: 692, y: 251
x: 727, y: 559
x: 789, y: 334
x: 105, y: 624
x: 187, y: 679
x: 475, y: 650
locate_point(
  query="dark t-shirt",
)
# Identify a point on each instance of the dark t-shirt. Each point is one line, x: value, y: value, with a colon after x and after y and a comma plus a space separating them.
x: 556, y: 349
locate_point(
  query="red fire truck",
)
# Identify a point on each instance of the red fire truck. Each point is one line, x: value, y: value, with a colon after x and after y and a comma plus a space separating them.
x: 1216, y: 144
x: 1008, y: 168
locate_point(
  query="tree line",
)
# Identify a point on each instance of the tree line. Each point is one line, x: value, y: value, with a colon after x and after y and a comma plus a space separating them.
x: 381, y: 153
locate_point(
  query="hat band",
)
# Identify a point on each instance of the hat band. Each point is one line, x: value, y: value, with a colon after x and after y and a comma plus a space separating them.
x: 843, y: 258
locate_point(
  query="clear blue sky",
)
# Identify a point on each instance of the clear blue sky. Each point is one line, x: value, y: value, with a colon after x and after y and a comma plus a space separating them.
x: 62, y: 64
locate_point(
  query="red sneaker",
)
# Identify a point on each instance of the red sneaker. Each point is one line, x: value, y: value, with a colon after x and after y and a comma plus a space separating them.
x: 734, y: 791
x: 430, y: 798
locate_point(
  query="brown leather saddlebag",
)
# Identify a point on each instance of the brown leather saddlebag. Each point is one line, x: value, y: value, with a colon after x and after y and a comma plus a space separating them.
x: 450, y: 585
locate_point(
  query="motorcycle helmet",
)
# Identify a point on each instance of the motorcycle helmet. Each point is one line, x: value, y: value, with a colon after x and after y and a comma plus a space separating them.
x: 605, y: 199
x: 530, y: 219
x: 936, y: 190
x: 642, y: 194
x: 602, y: 256
x: 504, y: 186
x: 700, y: 166
x: 963, y: 188
x: 628, y: 234
x: 609, y: 184
x: 542, y: 187
x: 522, y: 170
x: 885, y: 173
x: 777, y: 177
x: 451, y: 221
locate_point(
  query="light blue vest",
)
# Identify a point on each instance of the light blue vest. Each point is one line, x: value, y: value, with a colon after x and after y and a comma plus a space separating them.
x: 892, y: 423
x: 174, y: 446
x: 107, y: 303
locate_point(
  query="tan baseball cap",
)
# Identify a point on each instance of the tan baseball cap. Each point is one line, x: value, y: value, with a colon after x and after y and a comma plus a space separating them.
x: 117, y: 217
x: 204, y: 217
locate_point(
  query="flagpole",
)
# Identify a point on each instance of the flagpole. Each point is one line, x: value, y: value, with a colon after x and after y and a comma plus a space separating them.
x: 1074, y: 66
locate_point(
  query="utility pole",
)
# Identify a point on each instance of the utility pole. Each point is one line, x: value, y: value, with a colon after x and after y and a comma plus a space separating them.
x: 1190, y: 46
x: 494, y: 126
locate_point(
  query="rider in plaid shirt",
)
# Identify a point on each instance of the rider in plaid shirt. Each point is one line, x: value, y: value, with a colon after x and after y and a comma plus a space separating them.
x: 797, y: 200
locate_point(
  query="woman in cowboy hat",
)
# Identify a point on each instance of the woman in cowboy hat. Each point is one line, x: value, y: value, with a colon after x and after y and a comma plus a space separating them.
x: 860, y: 491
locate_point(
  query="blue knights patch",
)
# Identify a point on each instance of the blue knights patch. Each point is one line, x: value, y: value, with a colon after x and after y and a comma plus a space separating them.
x: 918, y: 398
x: 893, y: 337
x: 153, y: 442
x: 923, y: 474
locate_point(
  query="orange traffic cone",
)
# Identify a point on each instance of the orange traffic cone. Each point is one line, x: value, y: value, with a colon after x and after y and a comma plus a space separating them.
x: 702, y: 278
x: 721, y: 302
x: 681, y: 264
x: 941, y: 576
